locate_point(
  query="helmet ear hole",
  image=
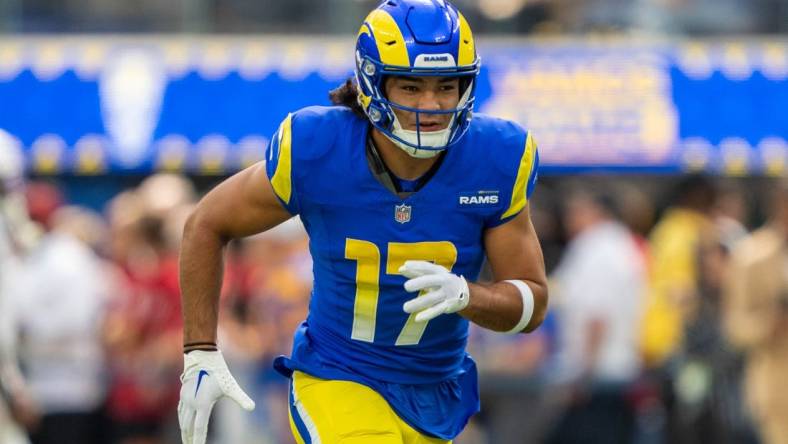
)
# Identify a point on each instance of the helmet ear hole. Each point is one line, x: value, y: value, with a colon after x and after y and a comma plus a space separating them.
x: 384, y: 80
x: 465, y: 83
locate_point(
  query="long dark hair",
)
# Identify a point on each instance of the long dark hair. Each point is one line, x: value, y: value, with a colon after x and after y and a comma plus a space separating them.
x: 346, y: 94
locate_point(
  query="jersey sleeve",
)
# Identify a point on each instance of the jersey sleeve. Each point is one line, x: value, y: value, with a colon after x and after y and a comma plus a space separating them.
x: 523, y: 185
x: 279, y: 166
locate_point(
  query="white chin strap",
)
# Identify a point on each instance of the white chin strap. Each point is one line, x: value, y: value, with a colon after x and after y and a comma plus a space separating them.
x: 436, y: 140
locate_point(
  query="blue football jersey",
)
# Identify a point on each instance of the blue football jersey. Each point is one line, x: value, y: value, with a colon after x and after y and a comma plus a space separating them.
x: 361, y: 233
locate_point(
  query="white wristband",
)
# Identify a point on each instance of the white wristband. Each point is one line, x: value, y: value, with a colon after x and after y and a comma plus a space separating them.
x: 528, y: 306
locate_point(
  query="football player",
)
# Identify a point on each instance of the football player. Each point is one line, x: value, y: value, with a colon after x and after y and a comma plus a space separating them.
x: 403, y: 191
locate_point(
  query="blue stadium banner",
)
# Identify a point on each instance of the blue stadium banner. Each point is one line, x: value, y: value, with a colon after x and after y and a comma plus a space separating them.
x: 207, y: 105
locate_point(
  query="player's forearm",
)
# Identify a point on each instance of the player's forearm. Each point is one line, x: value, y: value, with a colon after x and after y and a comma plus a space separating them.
x: 201, y: 268
x: 499, y: 306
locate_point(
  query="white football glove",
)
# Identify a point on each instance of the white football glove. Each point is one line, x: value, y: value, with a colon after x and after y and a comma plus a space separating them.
x: 205, y: 380
x: 446, y: 292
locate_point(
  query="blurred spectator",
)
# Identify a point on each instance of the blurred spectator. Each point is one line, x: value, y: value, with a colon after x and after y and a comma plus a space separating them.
x: 546, y: 218
x: 16, y: 406
x: 756, y: 318
x: 674, y: 245
x: 144, y: 326
x: 60, y: 301
x: 265, y: 298
x: 162, y: 194
x: 637, y: 211
x: 598, y: 294
x: 731, y: 213
x: 20, y: 232
x: 510, y: 379
x: 706, y: 372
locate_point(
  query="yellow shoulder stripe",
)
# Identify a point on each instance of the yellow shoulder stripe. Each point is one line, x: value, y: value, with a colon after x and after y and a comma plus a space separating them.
x: 519, y: 198
x: 281, y: 180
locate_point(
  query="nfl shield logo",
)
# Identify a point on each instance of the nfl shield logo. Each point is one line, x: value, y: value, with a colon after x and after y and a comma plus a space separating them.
x: 402, y: 213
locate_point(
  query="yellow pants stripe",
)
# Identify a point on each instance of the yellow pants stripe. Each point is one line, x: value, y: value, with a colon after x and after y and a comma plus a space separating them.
x: 300, y: 421
x: 294, y: 430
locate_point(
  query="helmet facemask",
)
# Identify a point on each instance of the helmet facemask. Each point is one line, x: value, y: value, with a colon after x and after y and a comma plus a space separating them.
x: 416, y: 38
x: 418, y: 143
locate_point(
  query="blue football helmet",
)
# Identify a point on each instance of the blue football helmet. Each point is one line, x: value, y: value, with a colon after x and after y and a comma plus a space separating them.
x: 416, y: 38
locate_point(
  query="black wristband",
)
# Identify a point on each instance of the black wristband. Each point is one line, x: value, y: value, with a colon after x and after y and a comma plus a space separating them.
x: 209, y: 349
x: 199, y: 344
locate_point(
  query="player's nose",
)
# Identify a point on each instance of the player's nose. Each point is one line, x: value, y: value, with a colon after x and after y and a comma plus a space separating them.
x: 429, y: 101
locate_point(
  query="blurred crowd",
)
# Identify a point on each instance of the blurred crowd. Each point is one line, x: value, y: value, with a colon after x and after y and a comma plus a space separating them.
x: 668, y: 317
x: 92, y: 322
x: 693, y: 17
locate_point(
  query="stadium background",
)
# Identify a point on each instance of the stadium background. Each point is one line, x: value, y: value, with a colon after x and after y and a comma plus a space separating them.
x: 126, y: 113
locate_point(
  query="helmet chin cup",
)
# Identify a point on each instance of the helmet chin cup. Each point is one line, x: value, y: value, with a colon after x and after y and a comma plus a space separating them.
x: 420, y: 144
x: 417, y: 153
